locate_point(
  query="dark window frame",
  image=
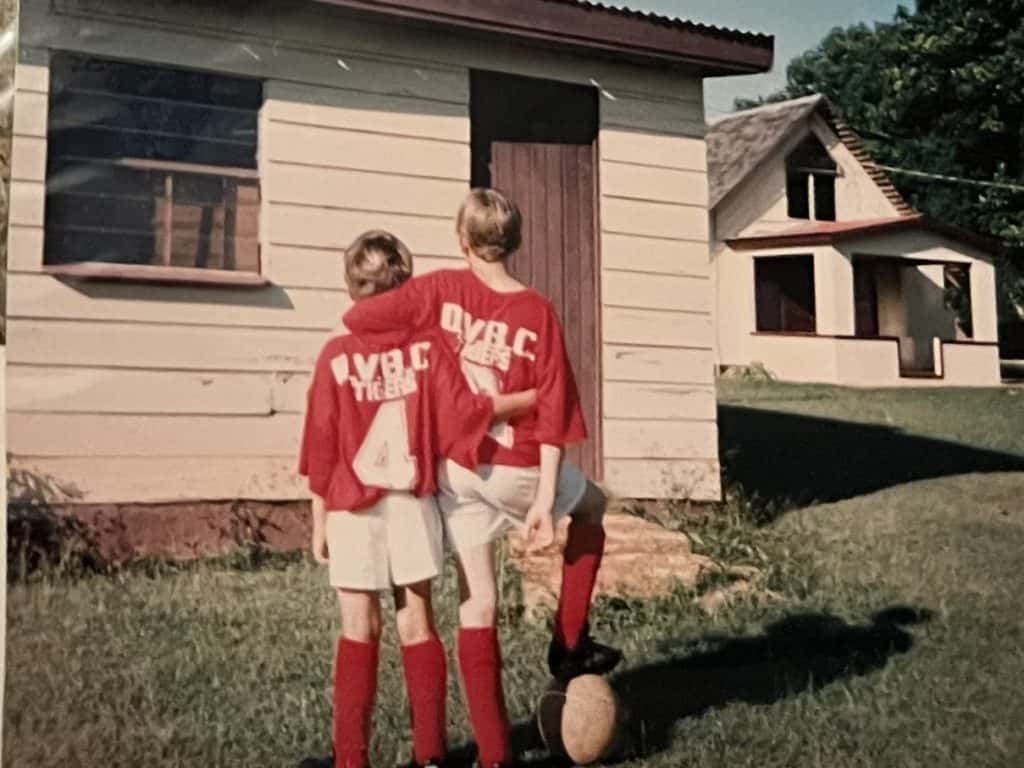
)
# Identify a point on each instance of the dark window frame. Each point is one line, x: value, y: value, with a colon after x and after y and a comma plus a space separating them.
x: 785, y: 295
x: 152, y: 173
x: 811, y: 182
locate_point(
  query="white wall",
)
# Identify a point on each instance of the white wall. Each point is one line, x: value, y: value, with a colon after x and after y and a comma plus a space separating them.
x: 158, y: 393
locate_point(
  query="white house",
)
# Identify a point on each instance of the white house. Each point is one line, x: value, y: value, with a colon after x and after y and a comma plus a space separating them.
x: 824, y: 273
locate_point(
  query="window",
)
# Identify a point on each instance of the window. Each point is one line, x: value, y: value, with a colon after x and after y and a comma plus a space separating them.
x: 811, y: 182
x: 151, y: 166
x: 957, y: 297
x: 784, y: 288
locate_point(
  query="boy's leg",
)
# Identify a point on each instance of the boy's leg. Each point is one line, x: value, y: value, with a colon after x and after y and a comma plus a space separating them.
x: 355, y: 677
x: 572, y: 651
x: 426, y: 671
x: 480, y: 655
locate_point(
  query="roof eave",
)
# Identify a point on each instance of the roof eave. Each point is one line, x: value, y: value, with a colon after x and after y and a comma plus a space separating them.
x: 782, y: 240
x: 587, y: 30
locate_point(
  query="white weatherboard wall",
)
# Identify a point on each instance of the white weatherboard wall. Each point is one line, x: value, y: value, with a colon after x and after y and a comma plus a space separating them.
x: 126, y: 393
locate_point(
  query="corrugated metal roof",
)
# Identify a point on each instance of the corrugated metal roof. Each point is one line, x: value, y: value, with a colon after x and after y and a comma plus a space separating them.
x: 672, y: 21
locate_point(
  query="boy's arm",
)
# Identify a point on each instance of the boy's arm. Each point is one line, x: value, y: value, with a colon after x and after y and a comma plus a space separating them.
x: 540, y: 523
x: 559, y: 415
x: 508, y: 406
x: 319, y: 531
x: 412, y: 305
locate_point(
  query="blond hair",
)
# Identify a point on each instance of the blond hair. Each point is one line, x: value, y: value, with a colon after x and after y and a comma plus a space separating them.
x: 490, y: 224
x: 377, y: 261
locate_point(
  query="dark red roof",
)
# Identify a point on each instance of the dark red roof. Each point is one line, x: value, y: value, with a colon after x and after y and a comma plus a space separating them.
x: 828, y: 232
x: 591, y: 28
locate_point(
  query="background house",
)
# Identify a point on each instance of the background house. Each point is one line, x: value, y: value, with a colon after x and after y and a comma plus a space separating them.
x: 185, y: 174
x: 824, y: 272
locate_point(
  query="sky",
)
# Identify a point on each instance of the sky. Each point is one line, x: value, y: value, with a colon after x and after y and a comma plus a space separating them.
x: 796, y: 24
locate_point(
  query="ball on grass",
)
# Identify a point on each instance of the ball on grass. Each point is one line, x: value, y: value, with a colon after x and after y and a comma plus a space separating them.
x: 580, y: 720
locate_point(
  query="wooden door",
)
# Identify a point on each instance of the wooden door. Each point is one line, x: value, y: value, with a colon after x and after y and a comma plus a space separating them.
x: 865, y: 298
x: 556, y: 190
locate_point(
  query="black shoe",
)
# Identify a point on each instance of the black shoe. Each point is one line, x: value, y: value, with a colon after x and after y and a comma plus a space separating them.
x: 318, y: 762
x: 587, y: 658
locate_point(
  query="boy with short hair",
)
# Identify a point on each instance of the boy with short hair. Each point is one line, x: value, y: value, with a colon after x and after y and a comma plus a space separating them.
x: 382, y: 407
x: 508, y: 337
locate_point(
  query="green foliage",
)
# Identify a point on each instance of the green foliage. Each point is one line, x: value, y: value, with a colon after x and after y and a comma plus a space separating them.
x: 939, y: 90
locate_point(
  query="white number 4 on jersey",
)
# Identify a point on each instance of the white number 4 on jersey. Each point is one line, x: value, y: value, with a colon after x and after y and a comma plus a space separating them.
x: 383, y: 459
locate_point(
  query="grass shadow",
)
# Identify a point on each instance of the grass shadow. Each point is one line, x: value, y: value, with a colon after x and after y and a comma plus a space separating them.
x: 798, y: 653
x: 787, y: 459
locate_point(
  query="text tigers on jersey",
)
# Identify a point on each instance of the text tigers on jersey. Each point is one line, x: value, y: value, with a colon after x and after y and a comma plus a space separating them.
x: 486, y: 342
x: 381, y: 376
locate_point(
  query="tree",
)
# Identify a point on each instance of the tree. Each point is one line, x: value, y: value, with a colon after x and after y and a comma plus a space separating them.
x: 940, y: 91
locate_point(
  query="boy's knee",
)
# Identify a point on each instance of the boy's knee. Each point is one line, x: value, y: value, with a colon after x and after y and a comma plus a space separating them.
x: 479, y: 610
x: 414, y: 627
x: 591, y: 509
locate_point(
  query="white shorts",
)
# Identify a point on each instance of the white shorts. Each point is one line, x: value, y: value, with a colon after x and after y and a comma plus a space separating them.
x: 480, y: 506
x: 397, y: 541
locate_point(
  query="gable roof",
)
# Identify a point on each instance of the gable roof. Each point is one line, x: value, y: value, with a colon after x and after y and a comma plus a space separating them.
x: 739, y: 143
x: 593, y: 28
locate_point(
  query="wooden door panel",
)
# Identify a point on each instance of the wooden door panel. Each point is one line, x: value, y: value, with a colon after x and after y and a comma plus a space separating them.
x: 554, y: 187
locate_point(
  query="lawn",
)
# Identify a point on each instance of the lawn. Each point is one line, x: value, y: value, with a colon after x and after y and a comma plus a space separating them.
x: 896, y: 543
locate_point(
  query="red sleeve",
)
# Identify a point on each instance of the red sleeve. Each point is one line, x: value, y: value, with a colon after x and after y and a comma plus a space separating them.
x: 413, y: 305
x: 462, y: 418
x: 318, y: 455
x: 559, y: 416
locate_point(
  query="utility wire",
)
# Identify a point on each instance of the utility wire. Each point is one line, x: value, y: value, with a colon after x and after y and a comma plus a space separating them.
x: 953, y: 179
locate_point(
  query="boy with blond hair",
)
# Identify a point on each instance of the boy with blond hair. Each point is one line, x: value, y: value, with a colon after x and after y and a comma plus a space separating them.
x: 508, y: 338
x: 382, y: 407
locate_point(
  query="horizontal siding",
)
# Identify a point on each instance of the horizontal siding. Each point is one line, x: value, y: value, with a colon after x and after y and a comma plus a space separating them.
x: 666, y: 185
x: 358, y: 150
x: 655, y: 149
x: 661, y: 329
x: 42, y: 389
x: 325, y: 228
x: 30, y: 113
x: 695, y: 479
x: 655, y: 255
x: 330, y: 187
x: 113, y: 480
x: 653, y: 219
x: 73, y: 434
x: 375, y: 113
x: 633, y: 400
x: 41, y: 296
x: 170, y: 347
x: 659, y: 438
x: 335, y: 34
x: 291, y: 267
x: 28, y: 158
x: 349, y: 140
x: 640, y: 291
x: 24, y: 248
x: 658, y: 365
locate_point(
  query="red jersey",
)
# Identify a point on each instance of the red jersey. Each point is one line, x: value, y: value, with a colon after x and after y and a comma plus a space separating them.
x: 507, y: 342
x: 380, y: 413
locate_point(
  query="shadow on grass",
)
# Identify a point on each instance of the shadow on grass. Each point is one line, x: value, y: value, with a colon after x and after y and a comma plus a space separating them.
x: 786, y: 459
x: 793, y: 655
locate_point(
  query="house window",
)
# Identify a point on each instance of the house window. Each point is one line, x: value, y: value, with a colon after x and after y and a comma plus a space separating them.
x: 149, y: 165
x: 957, y: 297
x: 811, y: 182
x: 784, y: 289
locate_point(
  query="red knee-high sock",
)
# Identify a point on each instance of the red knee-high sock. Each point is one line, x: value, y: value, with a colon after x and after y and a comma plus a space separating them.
x: 480, y: 662
x: 582, y: 559
x: 426, y: 679
x: 355, y: 688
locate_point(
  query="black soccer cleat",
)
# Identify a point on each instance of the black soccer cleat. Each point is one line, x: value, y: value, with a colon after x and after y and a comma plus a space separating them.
x: 587, y: 658
x: 318, y: 762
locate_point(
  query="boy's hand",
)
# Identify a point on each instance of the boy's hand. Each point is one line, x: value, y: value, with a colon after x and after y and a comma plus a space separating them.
x: 319, y: 543
x: 539, y: 526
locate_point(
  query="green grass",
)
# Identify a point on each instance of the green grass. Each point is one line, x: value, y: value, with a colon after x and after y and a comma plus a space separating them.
x: 899, y: 640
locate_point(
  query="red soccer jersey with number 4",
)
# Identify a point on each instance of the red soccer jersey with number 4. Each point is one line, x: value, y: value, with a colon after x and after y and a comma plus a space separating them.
x: 380, y: 413
x: 507, y: 342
